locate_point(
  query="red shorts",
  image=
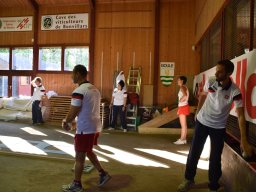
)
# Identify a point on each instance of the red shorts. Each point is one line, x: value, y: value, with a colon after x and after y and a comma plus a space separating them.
x: 183, y: 110
x: 84, y: 142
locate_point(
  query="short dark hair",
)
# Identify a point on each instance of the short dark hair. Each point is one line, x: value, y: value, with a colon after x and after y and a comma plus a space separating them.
x: 39, y: 79
x: 227, y: 64
x: 81, y: 69
x: 121, y: 83
x: 184, y: 79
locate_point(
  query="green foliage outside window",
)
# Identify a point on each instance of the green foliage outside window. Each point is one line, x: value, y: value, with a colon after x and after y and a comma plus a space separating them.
x: 50, y: 59
x: 74, y: 56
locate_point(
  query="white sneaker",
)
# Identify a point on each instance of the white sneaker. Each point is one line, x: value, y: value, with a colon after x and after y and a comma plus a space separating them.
x: 125, y: 130
x: 111, y: 129
x: 180, y: 142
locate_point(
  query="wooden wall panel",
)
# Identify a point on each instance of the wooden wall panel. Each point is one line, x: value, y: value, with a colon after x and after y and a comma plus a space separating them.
x: 63, y: 36
x: 133, y: 40
x: 127, y: 19
x: 62, y: 84
x: 103, y: 20
x: 206, y: 11
x: 132, y: 19
x: 176, y: 40
x: 16, y: 12
x: 102, y: 63
x: 124, y: 35
x: 123, y: 48
x: 124, y: 38
x: 125, y: 6
x: 16, y: 38
x: 199, y: 6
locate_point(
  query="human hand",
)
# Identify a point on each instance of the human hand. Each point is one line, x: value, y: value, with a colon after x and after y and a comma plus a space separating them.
x: 66, y: 126
x: 195, y: 117
x: 246, y: 149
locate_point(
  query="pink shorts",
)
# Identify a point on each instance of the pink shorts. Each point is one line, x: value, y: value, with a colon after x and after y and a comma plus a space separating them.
x: 183, y: 110
x: 84, y: 142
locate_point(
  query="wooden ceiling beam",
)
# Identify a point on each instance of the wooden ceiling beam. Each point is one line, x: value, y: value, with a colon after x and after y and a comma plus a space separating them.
x: 92, y: 4
x: 35, y: 38
x: 92, y: 39
x: 156, y: 52
x: 34, y: 4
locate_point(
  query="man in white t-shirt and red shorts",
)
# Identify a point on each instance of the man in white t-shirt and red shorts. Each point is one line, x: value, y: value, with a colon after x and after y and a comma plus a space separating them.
x: 213, y: 110
x: 85, y: 104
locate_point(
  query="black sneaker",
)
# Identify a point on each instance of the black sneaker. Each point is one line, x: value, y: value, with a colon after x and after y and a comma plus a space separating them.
x: 104, y: 178
x: 185, y: 185
x: 72, y: 187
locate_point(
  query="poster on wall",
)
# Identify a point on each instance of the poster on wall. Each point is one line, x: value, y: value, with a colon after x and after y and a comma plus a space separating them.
x: 167, y: 73
x: 244, y: 76
x: 64, y: 22
x: 16, y: 23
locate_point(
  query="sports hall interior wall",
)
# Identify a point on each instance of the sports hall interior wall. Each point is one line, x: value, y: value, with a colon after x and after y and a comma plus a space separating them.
x: 126, y: 30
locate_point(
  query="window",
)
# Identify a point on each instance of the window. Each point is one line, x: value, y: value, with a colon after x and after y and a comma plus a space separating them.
x: 4, y: 58
x: 237, y: 28
x: 22, y: 59
x: 215, y: 43
x: 50, y: 59
x: 74, y: 56
x: 3, y: 86
x: 211, y: 46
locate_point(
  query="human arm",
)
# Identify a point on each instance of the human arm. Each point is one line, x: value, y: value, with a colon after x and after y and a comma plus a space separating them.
x: 42, y: 95
x: 183, y: 89
x: 125, y: 100
x: 75, y: 107
x: 201, y: 100
x: 245, y: 146
x: 33, y: 83
x: 111, y: 103
x: 73, y: 112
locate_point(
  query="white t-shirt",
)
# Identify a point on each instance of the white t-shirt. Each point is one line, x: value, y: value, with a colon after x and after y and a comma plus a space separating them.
x: 180, y: 95
x: 88, y: 97
x: 119, y: 96
x: 216, y: 108
x: 38, y: 93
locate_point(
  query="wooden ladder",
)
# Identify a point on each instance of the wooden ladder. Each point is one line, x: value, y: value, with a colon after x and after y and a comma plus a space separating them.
x: 134, y: 80
x: 133, y: 86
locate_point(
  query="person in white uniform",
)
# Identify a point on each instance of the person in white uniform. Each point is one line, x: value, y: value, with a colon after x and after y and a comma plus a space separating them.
x: 85, y: 105
x: 39, y: 92
x: 214, y: 105
x: 118, y: 106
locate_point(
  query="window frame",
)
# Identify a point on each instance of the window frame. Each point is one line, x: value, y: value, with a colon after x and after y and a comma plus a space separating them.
x: 62, y: 71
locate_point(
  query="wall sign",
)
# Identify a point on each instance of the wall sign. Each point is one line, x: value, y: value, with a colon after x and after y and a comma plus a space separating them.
x: 167, y: 73
x: 64, y: 22
x: 16, y: 23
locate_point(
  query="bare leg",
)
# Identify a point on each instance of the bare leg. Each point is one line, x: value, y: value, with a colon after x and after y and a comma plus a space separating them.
x: 184, y: 128
x: 79, y: 165
x: 94, y: 160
